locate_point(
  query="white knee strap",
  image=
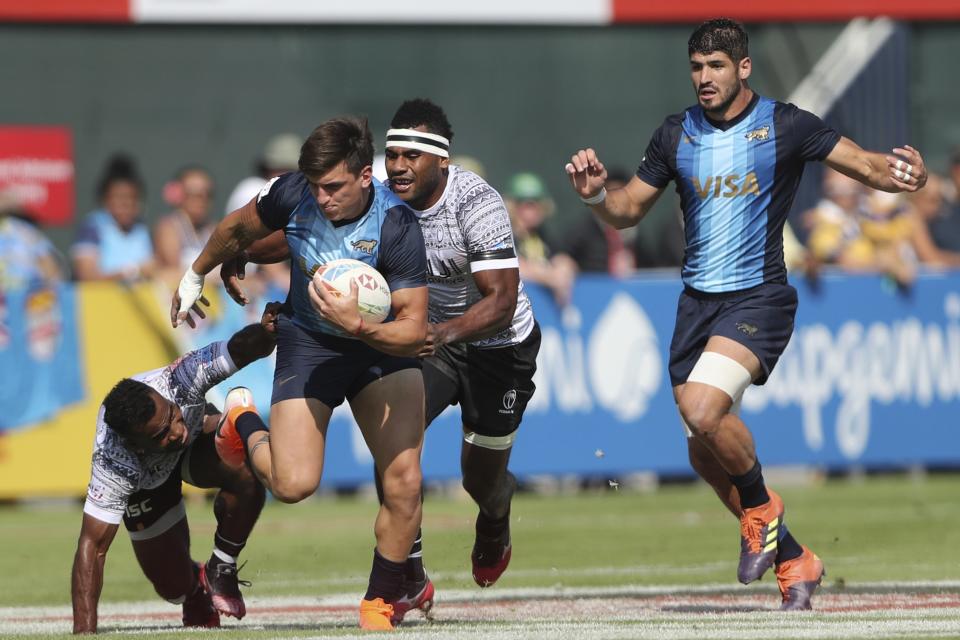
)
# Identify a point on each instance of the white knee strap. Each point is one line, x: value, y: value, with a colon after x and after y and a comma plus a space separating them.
x: 721, y: 372
x: 496, y: 443
x: 734, y: 409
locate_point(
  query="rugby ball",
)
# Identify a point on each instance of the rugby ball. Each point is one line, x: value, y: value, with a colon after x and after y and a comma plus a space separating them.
x: 374, y: 297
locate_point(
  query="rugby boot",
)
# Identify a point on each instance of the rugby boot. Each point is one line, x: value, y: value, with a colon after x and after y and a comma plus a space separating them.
x: 198, y: 609
x: 220, y: 580
x: 798, y: 579
x: 759, y: 534
x: 490, y: 558
x: 230, y: 447
x: 416, y: 595
x: 375, y: 615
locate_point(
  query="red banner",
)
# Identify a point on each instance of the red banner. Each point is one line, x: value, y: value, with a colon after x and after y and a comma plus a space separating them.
x: 65, y: 10
x: 36, y: 168
x: 693, y: 11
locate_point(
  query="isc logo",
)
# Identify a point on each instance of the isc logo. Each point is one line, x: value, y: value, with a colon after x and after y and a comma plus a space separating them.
x: 138, y: 508
x: 729, y: 186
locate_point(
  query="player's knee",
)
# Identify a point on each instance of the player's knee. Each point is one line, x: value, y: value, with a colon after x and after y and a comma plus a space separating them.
x: 402, y: 486
x: 700, y: 415
x: 291, y: 489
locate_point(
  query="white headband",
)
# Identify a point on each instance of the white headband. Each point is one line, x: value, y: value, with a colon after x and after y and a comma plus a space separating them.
x: 419, y: 140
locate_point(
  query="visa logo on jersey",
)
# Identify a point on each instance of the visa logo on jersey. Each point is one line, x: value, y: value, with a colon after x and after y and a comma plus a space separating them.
x: 730, y: 186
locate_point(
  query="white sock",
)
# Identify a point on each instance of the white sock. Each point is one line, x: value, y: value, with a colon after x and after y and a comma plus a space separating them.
x: 223, y: 555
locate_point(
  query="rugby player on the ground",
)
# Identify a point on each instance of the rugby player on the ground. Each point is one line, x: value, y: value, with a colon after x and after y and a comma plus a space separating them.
x: 155, y: 431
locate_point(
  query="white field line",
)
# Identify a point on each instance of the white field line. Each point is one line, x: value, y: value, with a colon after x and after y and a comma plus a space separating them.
x: 709, y: 611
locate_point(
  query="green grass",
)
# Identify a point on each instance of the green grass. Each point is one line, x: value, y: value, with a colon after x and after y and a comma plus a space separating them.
x: 881, y: 529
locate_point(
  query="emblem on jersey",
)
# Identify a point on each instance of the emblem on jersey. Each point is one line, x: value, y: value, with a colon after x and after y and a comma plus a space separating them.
x: 366, y: 246
x: 747, y: 328
x: 509, y: 399
x: 763, y: 133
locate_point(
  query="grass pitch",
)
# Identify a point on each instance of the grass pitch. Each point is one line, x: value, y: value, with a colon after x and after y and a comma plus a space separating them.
x: 611, y: 564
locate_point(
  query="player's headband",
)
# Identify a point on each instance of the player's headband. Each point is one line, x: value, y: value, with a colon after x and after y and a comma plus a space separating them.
x: 419, y: 140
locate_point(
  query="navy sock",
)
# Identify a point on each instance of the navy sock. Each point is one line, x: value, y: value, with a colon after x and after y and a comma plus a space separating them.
x: 753, y: 492
x: 787, y: 547
x: 386, y: 578
x: 248, y: 423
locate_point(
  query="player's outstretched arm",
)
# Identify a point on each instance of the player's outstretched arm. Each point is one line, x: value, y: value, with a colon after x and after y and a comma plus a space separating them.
x: 255, y: 341
x: 902, y: 170
x: 233, y: 234
x: 87, y: 578
x: 620, y: 208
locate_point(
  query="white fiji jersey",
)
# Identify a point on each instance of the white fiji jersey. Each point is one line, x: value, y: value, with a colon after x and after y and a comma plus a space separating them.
x: 466, y: 231
x: 117, y: 471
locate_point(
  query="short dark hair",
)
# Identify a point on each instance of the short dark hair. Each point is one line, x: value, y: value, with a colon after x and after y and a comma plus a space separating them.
x: 120, y: 168
x: 128, y: 405
x: 421, y: 111
x: 345, y: 139
x: 720, y: 34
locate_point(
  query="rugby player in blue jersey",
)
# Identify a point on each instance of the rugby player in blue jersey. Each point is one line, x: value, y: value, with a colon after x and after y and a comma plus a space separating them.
x: 736, y: 158
x: 333, y: 208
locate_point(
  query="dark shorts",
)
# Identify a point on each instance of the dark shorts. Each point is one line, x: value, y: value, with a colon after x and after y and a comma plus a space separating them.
x: 161, y: 507
x: 492, y: 386
x: 329, y: 368
x: 760, y: 318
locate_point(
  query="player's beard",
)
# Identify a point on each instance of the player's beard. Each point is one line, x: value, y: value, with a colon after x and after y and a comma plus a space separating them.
x: 720, y: 109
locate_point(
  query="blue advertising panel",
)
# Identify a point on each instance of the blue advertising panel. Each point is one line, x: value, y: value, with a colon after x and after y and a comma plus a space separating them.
x: 871, y: 378
x: 40, y: 360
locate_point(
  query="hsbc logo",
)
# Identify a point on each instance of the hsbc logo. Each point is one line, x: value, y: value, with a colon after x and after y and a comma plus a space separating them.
x: 366, y: 281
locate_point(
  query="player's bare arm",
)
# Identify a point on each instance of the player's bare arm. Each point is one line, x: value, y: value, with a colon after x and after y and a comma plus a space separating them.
x: 620, y: 208
x: 402, y: 336
x: 267, y: 250
x: 902, y: 170
x: 490, y: 315
x: 255, y: 341
x: 233, y: 234
x: 87, y: 578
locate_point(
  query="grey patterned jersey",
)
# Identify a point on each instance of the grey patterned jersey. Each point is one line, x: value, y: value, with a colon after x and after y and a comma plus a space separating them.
x: 466, y: 231
x: 117, y: 471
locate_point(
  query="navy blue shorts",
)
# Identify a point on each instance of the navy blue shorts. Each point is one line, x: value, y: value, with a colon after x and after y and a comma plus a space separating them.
x: 312, y: 364
x: 759, y: 318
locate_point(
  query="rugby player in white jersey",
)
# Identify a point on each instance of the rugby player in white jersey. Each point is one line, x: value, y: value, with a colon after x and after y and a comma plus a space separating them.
x: 482, y: 340
x: 155, y: 431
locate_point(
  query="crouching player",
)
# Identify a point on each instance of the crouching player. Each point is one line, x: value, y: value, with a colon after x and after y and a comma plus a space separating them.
x: 153, y: 431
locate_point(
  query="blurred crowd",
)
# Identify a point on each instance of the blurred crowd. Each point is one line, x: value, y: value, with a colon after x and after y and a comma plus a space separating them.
x: 851, y: 228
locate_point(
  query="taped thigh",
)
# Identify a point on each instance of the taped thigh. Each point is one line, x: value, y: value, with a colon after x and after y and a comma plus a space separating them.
x: 721, y: 372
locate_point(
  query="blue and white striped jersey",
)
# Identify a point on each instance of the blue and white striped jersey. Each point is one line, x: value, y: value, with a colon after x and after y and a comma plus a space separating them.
x: 387, y: 237
x: 737, y: 181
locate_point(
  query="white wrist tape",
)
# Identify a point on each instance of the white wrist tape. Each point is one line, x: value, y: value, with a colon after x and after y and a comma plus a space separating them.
x: 595, y: 199
x: 191, y: 286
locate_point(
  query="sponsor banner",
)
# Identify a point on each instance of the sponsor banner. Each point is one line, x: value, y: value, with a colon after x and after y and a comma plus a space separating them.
x: 694, y: 11
x: 36, y: 167
x: 65, y: 10
x: 373, y: 12
x: 871, y: 378
x: 40, y: 362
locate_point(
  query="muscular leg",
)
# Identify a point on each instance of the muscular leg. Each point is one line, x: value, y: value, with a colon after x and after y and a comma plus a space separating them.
x: 165, y: 560
x: 486, y: 479
x: 390, y: 414
x: 290, y: 462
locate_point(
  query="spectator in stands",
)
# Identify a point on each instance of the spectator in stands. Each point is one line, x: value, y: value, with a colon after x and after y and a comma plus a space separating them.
x: 530, y: 205
x: 926, y: 207
x: 280, y: 156
x: 888, y: 226
x: 27, y: 257
x: 598, y: 247
x: 834, y: 228
x: 945, y: 226
x: 179, y: 236
x: 112, y: 243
